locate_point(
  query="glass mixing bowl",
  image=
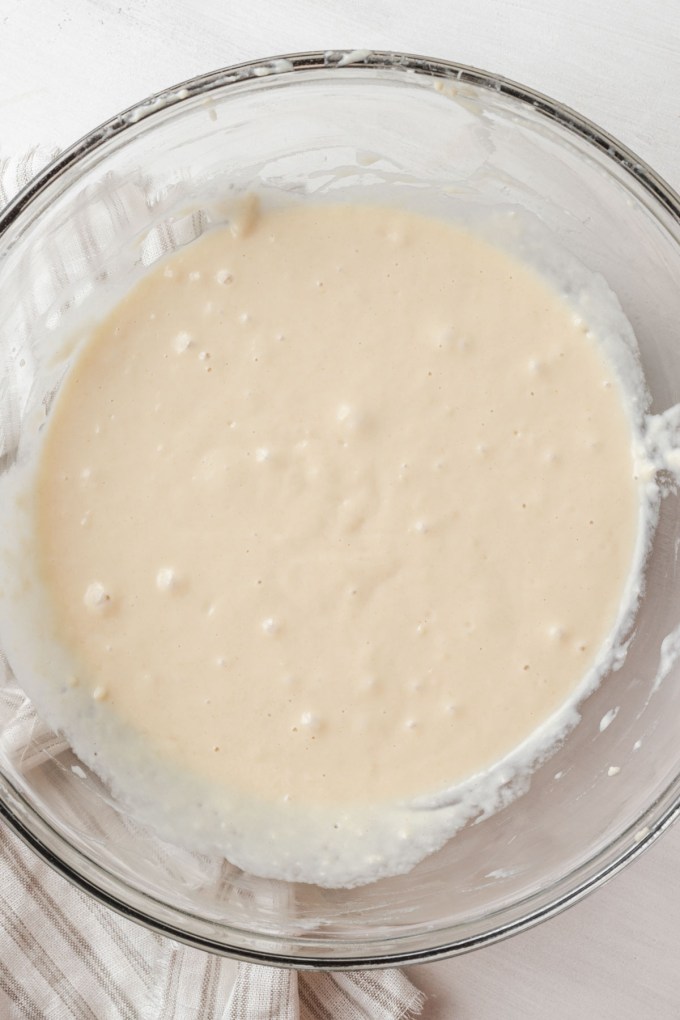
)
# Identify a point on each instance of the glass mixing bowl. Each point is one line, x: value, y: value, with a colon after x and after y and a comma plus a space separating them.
x: 452, y: 139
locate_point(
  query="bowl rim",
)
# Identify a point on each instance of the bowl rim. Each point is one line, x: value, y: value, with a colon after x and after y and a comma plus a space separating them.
x: 644, y: 838
x: 41, y: 837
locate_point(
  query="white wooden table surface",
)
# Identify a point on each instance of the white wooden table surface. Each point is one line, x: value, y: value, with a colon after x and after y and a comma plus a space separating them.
x: 65, y: 65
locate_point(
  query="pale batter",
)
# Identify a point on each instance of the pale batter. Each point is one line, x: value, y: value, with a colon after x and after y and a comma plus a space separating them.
x: 336, y: 509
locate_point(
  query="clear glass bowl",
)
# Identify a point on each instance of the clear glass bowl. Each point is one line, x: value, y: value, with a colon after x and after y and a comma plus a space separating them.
x: 451, y: 138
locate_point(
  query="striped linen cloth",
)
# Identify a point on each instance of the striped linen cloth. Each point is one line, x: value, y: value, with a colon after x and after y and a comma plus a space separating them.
x: 63, y: 956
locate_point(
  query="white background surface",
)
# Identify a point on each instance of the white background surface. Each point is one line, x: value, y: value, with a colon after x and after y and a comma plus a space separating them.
x: 65, y: 65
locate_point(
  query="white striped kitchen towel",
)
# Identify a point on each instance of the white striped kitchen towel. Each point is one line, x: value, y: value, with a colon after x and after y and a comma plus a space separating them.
x: 64, y: 956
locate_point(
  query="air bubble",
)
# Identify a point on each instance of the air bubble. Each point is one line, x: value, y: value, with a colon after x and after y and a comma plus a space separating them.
x: 96, y: 597
x: 166, y: 579
x: 182, y: 342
